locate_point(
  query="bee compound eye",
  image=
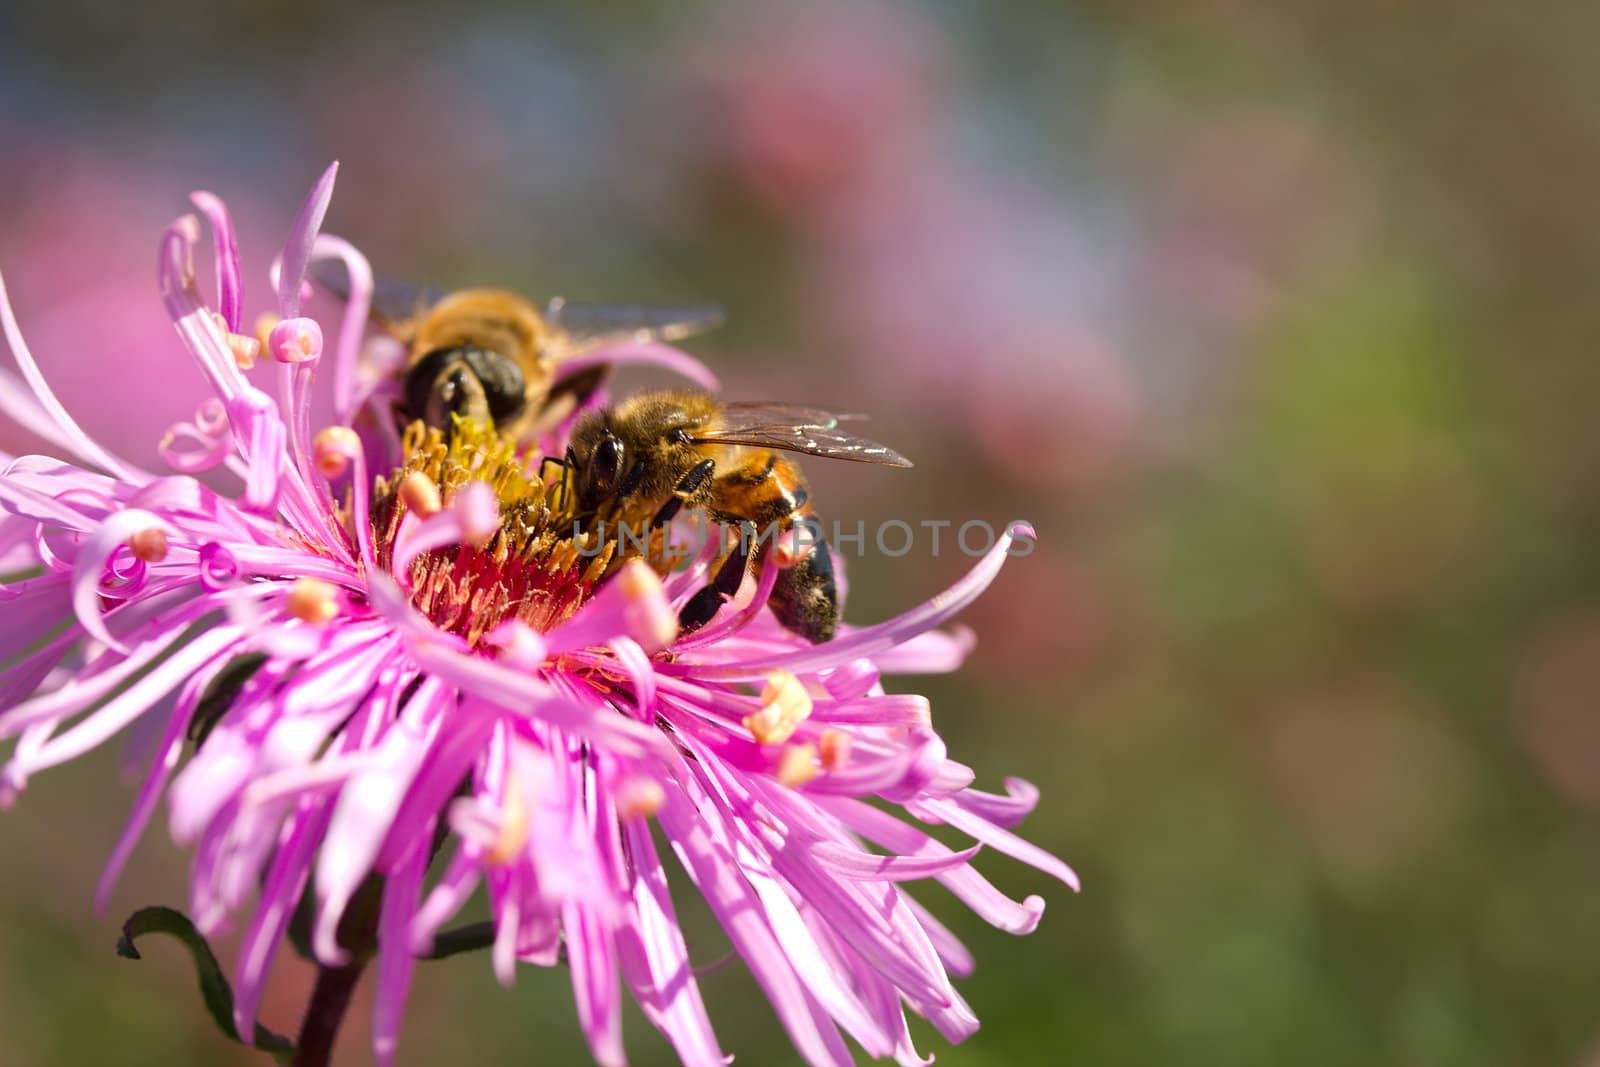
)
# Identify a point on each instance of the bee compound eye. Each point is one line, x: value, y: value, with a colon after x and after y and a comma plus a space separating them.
x: 607, y: 460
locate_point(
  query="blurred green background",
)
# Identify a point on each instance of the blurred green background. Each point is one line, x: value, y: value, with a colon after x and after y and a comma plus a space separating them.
x: 1275, y: 319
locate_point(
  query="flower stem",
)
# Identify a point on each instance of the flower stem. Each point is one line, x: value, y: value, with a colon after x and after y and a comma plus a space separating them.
x: 330, y: 999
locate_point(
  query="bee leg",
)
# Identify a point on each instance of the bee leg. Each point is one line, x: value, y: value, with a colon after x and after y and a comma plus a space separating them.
x: 703, y: 606
x: 567, y: 464
x: 686, y: 487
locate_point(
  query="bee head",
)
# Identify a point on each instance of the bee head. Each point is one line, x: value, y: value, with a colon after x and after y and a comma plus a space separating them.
x: 599, y: 458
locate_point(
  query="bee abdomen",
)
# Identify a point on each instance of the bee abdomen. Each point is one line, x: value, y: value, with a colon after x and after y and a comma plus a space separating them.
x: 805, y: 598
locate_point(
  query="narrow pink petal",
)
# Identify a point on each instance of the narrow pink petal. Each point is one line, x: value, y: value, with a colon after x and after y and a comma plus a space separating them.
x: 655, y: 959
x: 199, y: 331
x: 133, y: 701
x: 227, y: 255
x: 168, y: 751
x: 1002, y: 840
x: 592, y: 958
x: 365, y: 808
x: 448, y: 896
x: 958, y: 960
x: 82, y: 444
x: 738, y: 910
x: 395, y: 961
x: 882, y: 828
x: 872, y: 640
x: 297, y: 246
x: 358, y: 306
x: 854, y: 863
x: 648, y: 353
x: 280, y: 894
x: 1020, y: 800
x: 95, y: 553
x: 534, y: 699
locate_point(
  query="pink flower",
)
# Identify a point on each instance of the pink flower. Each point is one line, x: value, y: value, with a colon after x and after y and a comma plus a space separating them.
x: 383, y: 676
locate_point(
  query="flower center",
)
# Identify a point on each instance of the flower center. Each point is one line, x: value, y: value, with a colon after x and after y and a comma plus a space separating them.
x: 532, y: 568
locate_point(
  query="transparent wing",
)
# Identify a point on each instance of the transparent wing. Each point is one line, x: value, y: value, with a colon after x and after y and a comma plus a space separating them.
x: 393, y: 299
x: 589, y: 326
x: 793, y: 428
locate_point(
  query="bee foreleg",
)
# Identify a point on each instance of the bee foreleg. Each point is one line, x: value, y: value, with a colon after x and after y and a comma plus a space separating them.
x: 691, y: 481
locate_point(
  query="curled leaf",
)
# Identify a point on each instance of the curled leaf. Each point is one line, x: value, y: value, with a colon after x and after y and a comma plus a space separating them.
x: 214, y: 988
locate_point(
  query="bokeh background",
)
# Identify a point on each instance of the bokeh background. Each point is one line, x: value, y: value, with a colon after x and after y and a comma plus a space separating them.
x: 1276, y: 319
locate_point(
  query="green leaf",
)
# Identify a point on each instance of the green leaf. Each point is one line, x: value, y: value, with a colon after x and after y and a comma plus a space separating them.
x: 220, y: 694
x: 214, y: 987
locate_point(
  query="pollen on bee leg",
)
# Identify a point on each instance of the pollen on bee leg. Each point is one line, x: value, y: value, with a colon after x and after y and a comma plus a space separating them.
x: 649, y: 614
x: 833, y: 749
x: 420, y: 494
x: 638, y: 796
x: 244, y: 349
x: 797, y: 766
x: 313, y: 600
x: 785, y: 704
x: 792, y: 546
x: 149, y: 545
x: 333, y: 448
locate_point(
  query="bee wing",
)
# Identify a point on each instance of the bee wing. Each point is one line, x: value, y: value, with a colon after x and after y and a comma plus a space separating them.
x: 590, y: 326
x: 793, y: 428
x: 394, y: 300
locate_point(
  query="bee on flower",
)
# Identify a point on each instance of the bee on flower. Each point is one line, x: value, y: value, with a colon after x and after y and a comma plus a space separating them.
x: 389, y: 673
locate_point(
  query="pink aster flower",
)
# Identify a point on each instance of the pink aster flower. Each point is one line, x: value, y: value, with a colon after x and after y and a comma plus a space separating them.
x: 379, y: 690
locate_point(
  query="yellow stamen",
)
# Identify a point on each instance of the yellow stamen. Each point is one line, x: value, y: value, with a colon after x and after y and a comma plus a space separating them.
x: 149, y: 545
x: 833, y: 749
x: 513, y: 824
x: 332, y: 448
x: 313, y: 600
x: 785, y: 704
x: 797, y: 766
x: 244, y: 349
x: 264, y: 324
x: 420, y: 494
x: 638, y: 797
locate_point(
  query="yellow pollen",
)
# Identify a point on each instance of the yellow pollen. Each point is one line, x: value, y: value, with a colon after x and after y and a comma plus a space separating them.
x: 785, y: 704
x: 264, y: 324
x: 797, y: 765
x: 638, y: 797
x: 420, y: 494
x: 833, y: 749
x: 313, y: 600
x: 332, y: 448
x: 244, y: 349
x: 149, y: 545
x: 513, y: 825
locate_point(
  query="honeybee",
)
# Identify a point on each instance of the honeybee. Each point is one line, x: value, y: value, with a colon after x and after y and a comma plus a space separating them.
x: 490, y: 355
x: 669, y: 450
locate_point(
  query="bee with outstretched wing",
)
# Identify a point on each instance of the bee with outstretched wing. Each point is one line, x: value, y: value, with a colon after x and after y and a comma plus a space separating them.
x: 661, y: 452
